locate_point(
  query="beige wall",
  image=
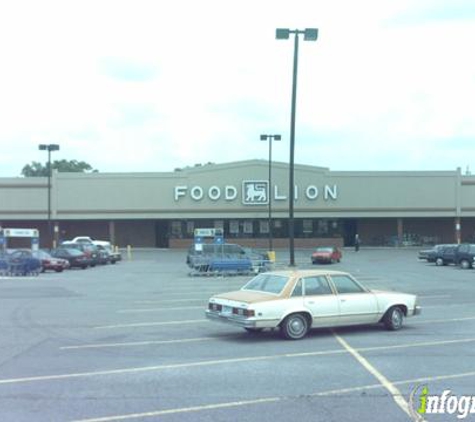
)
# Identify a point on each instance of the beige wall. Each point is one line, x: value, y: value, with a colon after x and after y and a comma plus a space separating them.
x: 151, y: 195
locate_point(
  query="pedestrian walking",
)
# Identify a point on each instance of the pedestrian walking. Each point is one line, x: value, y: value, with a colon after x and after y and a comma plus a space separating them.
x: 357, y: 243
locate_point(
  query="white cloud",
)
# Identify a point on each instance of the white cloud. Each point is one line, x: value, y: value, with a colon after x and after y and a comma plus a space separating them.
x: 150, y: 86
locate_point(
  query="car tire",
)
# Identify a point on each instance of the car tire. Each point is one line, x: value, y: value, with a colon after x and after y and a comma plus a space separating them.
x: 465, y: 264
x: 59, y: 270
x: 439, y: 262
x: 294, y: 327
x: 394, y: 318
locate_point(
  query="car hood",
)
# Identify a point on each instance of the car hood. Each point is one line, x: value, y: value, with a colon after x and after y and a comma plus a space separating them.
x: 246, y: 296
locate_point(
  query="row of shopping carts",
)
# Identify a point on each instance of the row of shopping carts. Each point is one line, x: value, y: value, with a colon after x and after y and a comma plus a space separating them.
x: 11, y: 265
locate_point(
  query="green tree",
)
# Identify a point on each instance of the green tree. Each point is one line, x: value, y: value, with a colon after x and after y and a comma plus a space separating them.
x: 36, y: 169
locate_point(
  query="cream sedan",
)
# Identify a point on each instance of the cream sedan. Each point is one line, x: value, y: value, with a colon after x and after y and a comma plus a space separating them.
x: 296, y: 301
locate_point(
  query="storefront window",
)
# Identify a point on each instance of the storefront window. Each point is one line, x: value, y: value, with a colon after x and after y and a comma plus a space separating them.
x: 176, y: 229
x: 264, y: 227
x: 234, y: 227
x: 248, y: 227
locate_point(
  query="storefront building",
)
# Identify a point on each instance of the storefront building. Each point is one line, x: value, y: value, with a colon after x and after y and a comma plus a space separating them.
x: 163, y: 209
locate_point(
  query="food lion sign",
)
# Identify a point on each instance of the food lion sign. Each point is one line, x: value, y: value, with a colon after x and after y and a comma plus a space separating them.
x: 254, y: 192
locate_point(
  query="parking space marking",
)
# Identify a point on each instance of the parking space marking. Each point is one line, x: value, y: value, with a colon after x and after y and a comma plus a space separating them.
x: 395, y: 393
x: 151, y: 324
x: 164, y: 367
x: 270, y: 399
x: 196, y: 321
x: 177, y: 308
x: 151, y: 302
x: 226, y: 361
x: 182, y: 410
x: 437, y: 321
x: 447, y: 305
x: 137, y: 343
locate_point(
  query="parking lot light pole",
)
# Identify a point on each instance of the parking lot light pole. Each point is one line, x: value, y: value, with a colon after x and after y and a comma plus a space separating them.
x: 309, y: 34
x: 49, y: 148
x: 270, y: 138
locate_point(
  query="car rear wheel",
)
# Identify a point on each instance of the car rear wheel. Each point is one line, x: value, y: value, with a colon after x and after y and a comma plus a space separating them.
x: 394, y: 318
x: 439, y: 262
x: 465, y: 264
x: 294, y: 327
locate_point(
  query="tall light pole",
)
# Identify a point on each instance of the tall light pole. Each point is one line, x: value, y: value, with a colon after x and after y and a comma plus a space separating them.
x: 270, y: 138
x: 309, y: 34
x: 49, y: 148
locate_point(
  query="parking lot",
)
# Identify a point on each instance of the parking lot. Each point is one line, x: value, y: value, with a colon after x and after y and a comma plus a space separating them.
x: 130, y: 342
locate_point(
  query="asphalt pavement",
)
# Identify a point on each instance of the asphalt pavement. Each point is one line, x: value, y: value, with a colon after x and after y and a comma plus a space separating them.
x: 130, y: 342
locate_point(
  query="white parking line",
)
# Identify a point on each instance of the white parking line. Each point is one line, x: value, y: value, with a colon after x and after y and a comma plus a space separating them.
x: 226, y: 361
x: 182, y: 410
x: 178, y: 308
x: 270, y: 399
x: 151, y: 302
x: 438, y: 321
x: 137, y: 343
x: 195, y: 321
x: 151, y: 324
x: 395, y: 393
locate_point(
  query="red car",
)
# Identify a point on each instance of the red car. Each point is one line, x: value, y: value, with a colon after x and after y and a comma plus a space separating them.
x: 326, y: 255
x: 51, y: 263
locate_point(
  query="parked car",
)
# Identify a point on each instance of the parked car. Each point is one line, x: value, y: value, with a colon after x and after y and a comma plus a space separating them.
x: 89, y: 249
x: 326, y: 255
x: 113, y: 256
x: 464, y: 255
x: 49, y: 262
x: 445, y: 255
x: 295, y: 301
x: 429, y: 254
x: 75, y: 257
x: 22, y: 262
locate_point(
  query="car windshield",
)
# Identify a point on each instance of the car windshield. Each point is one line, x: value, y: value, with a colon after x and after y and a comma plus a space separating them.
x: 41, y: 255
x: 324, y: 250
x: 267, y: 283
x: 73, y: 252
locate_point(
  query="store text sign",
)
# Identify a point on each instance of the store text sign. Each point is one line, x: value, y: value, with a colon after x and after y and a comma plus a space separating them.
x: 254, y: 192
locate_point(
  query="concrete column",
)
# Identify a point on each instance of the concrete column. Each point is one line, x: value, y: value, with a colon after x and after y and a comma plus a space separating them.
x: 400, y: 231
x: 112, y: 232
x: 458, y: 230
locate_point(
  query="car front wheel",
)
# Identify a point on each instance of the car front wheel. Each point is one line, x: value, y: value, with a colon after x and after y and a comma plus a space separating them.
x: 294, y: 327
x: 439, y: 262
x: 394, y: 318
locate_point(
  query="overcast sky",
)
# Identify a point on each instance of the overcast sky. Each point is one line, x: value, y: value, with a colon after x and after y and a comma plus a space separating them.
x: 131, y: 86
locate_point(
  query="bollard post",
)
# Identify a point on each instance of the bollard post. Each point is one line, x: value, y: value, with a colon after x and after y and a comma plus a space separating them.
x: 129, y: 252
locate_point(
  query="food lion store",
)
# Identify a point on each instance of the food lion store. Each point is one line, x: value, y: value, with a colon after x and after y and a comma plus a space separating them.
x: 163, y: 209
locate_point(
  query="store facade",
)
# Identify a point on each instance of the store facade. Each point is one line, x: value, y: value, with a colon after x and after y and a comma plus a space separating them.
x: 163, y: 209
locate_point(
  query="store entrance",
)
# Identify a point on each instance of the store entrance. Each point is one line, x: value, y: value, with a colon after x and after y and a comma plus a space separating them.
x: 350, y: 228
x: 161, y: 234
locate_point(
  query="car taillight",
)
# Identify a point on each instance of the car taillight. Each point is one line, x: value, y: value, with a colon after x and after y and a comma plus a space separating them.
x: 214, y: 307
x: 243, y: 312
